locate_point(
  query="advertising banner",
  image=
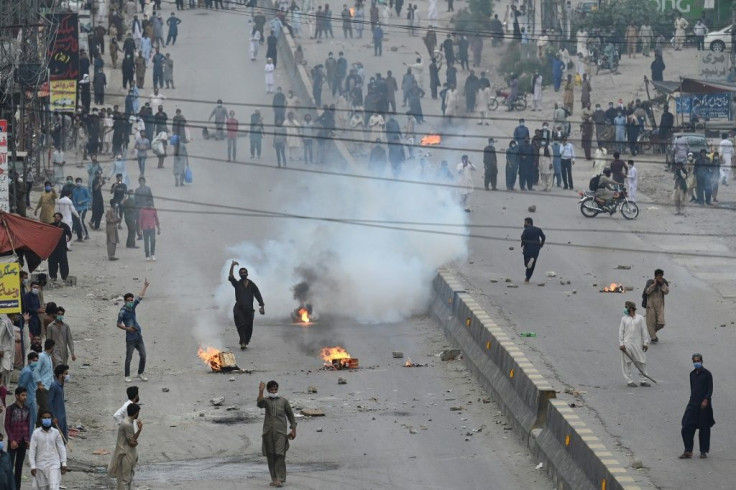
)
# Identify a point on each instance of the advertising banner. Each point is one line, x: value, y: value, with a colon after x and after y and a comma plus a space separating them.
x: 4, y: 181
x: 63, y: 96
x: 64, y: 49
x: 713, y: 106
x: 9, y: 288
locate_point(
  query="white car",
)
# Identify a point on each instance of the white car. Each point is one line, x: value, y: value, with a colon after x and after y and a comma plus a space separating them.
x: 719, y: 41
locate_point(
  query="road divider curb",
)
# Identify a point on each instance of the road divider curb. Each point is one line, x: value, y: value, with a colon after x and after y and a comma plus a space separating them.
x: 573, y: 456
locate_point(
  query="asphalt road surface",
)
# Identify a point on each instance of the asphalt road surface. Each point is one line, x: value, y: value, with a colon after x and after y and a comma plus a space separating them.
x: 388, y: 427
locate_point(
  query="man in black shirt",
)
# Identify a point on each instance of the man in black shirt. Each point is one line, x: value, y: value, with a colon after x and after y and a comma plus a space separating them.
x: 58, y: 261
x: 243, y: 312
x: 532, y: 240
x: 699, y: 411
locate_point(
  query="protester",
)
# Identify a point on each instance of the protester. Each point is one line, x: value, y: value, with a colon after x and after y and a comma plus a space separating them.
x: 698, y: 414
x: 532, y: 241
x: 654, y: 291
x: 61, y: 334
x: 56, y: 401
x: 633, y: 341
x: 29, y: 381
x: 149, y: 227
x: 47, y: 454
x: 245, y: 292
x: 58, y: 261
x: 133, y: 335
x: 275, y: 438
x: 124, y: 458
x: 465, y: 181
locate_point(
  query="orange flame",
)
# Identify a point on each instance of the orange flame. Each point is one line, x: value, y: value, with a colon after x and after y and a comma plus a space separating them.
x: 409, y: 363
x: 303, y: 315
x: 431, y: 140
x: 211, y: 357
x: 614, y: 288
x: 329, y: 354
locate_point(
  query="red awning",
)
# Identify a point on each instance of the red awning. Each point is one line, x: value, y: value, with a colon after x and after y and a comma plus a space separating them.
x: 29, y: 238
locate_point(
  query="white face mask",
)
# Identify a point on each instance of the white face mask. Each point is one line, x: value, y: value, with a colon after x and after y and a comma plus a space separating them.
x: 273, y: 395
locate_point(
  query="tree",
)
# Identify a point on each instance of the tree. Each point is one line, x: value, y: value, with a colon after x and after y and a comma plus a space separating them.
x: 475, y: 18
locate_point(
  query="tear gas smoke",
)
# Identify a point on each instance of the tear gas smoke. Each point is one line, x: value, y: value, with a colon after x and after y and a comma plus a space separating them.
x: 364, y: 273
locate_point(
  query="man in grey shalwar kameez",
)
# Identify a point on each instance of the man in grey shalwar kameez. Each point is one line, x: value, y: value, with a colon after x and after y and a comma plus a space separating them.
x: 633, y: 339
x: 275, y: 437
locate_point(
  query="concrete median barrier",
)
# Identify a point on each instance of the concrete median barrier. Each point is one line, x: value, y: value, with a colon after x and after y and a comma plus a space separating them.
x: 574, y: 457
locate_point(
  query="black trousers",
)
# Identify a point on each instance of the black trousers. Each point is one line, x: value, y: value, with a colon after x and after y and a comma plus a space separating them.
x: 17, y: 456
x: 243, y: 317
x: 130, y: 241
x: 688, y: 437
x: 58, y: 262
x: 530, y: 269
x: 566, y: 166
x: 490, y: 178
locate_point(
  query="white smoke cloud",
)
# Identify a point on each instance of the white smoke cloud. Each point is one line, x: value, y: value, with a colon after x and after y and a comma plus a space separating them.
x: 367, y: 274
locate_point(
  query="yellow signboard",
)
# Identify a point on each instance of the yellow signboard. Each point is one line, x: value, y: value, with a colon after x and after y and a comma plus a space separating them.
x: 63, y: 96
x: 9, y: 288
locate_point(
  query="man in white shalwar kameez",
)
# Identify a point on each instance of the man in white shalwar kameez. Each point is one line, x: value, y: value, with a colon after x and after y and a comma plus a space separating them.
x: 465, y: 181
x: 633, y: 338
x: 47, y: 455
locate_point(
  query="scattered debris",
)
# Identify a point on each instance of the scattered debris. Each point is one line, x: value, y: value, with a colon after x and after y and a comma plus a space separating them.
x: 540, y: 284
x: 486, y: 400
x: 539, y: 466
x: 507, y: 279
x: 512, y: 285
x: 551, y: 274
x: 218, y: 401
x: 165, y: 390
x: 397, y: 355
x: 319, y: 429
x: 574, y: 291
x: 511, y: 248
x: 637, y: 464
x: 450, y: 354
x: 494, y: 280
x: 342, y: 381
x: 231, y: 408
x: 455, y: 409
x: 232, y: 378
x: 412, y: 430
x: 312, y: 412
x: 532, y: 208
x: 101, y: 452
x: 413, y: 364
x: 624, y: 267
x: 311, y: 389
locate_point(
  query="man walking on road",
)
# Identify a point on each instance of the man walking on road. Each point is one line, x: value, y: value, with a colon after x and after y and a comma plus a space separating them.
x: 17, y: 425
x: 133, y: 336
x: 275, y: 438
x: 532, y: 241
x: 123, y: 461
x: 633, y: 341
x: 490, y: 164
x: 47, y: 456
x: 699, y: 411
x: 655, y: 291
x: 243, y: 312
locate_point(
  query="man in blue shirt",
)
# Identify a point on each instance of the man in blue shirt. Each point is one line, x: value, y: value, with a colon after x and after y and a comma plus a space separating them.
x: 45, y: 372
x: 56, y: 399
x: 30, y: 380
x: 133, y: 335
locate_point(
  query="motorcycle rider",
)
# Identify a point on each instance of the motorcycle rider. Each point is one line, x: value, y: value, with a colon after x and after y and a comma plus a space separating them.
x: 611, y: 57
x: 606, y: 187
x: 220, y: 115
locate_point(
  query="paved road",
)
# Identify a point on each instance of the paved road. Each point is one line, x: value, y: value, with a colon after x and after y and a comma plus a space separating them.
x: 366, y: 439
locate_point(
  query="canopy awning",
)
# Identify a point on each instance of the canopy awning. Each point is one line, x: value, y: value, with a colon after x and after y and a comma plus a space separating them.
x: 28, y: 238
x: 695, y: 86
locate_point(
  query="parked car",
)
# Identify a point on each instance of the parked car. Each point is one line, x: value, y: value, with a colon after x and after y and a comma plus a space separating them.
x: 719, y: 41
x: 695, y: 143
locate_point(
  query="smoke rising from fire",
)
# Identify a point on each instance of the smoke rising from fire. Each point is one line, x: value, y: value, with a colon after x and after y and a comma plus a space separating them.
x: 369, y: 274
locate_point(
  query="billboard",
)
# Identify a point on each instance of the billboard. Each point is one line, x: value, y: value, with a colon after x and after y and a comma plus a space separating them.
x: 64, y: 47
x: 713, y: 106
x: 9, y: 288
x: 63, y: 95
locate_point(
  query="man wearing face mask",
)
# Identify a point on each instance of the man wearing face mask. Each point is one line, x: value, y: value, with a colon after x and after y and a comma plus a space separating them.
x: 56, y: 399
x: 61, y: 334
x: 633, y: 340
x: 33, y: 307
x: 29, y: 380
x: 275, y: 438
x: 699, y: 411
x: 47, y: 455
x: 7, y: 350
x: 243, y: 312
x: 133, y: 336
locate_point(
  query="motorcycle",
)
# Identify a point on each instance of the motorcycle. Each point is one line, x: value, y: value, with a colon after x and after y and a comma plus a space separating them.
x: 590, y: 206
x: 501, y: 97
x: 600, y: 59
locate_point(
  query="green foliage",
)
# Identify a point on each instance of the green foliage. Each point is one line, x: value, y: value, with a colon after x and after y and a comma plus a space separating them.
x: 512, y: 61
x: 617, y: 14
x: 475, y: 18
